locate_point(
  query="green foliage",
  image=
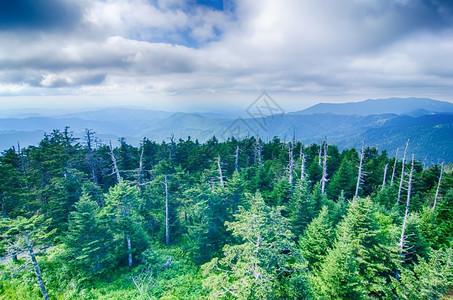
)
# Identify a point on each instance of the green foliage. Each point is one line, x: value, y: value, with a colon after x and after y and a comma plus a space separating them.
x: 121, y: 212
x: 364, y: 251
x: 301, y: 208
x: 264, y: 257
x: 430, y: 279
x: 88, y: 240
x: 344, y: 180
x: 316, y: 239
x: 282, y: 243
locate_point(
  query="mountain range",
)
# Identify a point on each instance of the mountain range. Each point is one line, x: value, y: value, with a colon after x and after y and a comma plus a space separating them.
x: 383, y: 123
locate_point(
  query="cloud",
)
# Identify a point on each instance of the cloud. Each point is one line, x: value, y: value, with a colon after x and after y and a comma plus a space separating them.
x: 202, y: 47
x: 68, y: 80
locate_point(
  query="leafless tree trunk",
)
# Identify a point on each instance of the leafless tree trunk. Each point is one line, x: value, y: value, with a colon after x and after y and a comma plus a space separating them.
x: 140, y: 168
x: 222, y: 183
x: 324, y: 171
x: 385, y: 176
x: 302, y: 166
x: 290, y: 164
x: 129, y: 250
x: 236, y: 159
x: 438, y: 186
x: 257, y: 152
x: 359, y: 176
x: 90, y: 154
x: 406, y: 214
x: 114, y: 165
x: 42, y: 287
x: 394, y: 167
x: 320, y: 154
x: 402, y: 173
x: 167, y: 214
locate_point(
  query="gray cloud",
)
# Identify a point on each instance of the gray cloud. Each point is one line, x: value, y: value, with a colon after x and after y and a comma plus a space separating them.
x: 178, y: 47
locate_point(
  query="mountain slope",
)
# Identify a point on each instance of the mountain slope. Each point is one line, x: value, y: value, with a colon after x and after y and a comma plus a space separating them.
x: 399, y: 106
x: 431, y: 134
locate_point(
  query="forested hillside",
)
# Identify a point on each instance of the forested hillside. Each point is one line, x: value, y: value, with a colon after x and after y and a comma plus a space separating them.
x: 241, y: 219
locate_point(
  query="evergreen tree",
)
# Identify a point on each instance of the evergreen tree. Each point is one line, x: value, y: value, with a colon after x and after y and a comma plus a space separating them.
x: 88, y: 240
x: 365, y: 251
x: 344, y: 180
x: 23, y: 234
x: 317, y: 239
x: 301, y: 208
x: 13, y: 185
x: 429, y: 279
x: 262, y: 263
x: 121, y: 209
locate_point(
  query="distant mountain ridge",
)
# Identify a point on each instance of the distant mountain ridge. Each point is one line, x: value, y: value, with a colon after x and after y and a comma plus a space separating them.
x: 428, y: 123
x: 400, y: 106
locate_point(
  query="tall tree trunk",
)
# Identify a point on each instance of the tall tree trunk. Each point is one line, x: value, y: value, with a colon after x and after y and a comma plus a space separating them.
x: 402, y: 173
x: 257, y: 152
x: 115, y: 166
x: 408, y: 202
x: 222, y: 183
x: 324, y: 171
x: 167, y: 214
x: 320, y: 154
x: 385, y: 176
x: 129, y: 250
x: 236, y: 159
x: 359, y: 176
x: 394, y: 168
x: 140, y: 168
x: 302, y: 165
x: 31, y: 252
x: 290, y: 164
x: 438, y: 186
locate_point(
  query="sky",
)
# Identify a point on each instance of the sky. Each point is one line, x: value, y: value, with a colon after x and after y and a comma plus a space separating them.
x: 215, y: 55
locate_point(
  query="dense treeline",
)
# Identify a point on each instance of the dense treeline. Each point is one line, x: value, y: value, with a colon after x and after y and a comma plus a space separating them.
x: 243, y: 219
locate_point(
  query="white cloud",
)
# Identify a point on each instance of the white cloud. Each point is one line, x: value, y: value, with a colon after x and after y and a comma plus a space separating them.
x: 289, y: 46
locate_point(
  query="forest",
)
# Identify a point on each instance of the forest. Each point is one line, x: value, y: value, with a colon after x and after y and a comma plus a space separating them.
x: 235, y: 219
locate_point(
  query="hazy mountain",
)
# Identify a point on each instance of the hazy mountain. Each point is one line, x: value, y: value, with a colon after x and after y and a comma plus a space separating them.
x: 399, y: 106
x: 117, y: 114
x: 431, y: 134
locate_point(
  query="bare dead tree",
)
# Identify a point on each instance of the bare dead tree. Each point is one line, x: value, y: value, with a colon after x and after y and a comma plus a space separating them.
x: 402, y: 173
x: 302, y: 165
x: 140, y: 167
x: 320, y: 154
x: 406, y: 214
x: 359, y: 176
x: 257, y: 152
x: 290, y: 164
x: 236, y: 159
x: 114, y: 165
x: 438, y: 185
x: 129, y: 250
x: 324, y: 170
x: 394, y: 167
x: 31, y: 252
x: 172, y: 147
x: 222, y: 183
x: 385, y: 176
x: 167, y: 213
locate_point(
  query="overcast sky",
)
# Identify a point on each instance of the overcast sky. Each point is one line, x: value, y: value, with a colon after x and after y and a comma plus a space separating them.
x: 202, y: 55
